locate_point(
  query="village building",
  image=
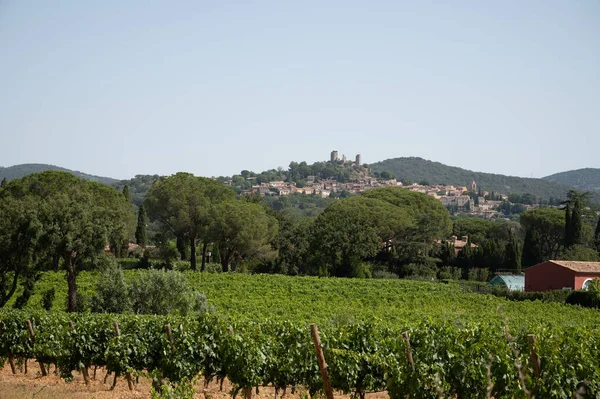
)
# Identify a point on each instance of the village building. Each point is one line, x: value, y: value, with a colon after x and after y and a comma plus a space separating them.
x: 561, y: 274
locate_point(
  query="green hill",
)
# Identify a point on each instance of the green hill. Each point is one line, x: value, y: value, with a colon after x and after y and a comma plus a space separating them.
x: 18, y: 171
x: 587, y: 179
x: 419, y: 169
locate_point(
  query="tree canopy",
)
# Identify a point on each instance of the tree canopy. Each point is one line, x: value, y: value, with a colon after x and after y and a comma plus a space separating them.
x: 75, y: 219
x: 182, y: 204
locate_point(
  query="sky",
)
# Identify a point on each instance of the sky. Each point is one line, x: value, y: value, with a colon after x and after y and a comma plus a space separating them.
x: 119, y: 88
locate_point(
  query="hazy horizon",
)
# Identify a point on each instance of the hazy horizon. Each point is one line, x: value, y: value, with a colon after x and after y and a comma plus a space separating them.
x: 117, y: 88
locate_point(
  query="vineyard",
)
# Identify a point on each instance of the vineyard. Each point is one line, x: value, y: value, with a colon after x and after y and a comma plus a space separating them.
x: 407, y: 338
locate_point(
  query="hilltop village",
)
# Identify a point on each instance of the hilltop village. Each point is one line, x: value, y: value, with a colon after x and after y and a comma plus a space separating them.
x: 469, y: 198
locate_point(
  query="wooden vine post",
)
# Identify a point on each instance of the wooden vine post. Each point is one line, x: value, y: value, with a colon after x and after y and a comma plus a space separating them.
x: 84, y: 369
x: 535, y: 360
x: 408, y: 350
x: 32, y: 337
x: 11, y: 359
x: 170, y: 335
x: 321, y: 359
x: 127, y: 375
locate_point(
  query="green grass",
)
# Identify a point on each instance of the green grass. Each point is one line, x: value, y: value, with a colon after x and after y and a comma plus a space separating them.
x: 325, y: 300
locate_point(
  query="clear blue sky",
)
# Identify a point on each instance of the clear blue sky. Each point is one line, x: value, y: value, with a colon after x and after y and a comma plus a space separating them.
x: 118, y: 88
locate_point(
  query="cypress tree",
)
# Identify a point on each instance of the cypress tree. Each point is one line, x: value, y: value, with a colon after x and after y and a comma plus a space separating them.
x: 531, y: 250
x: 597, y: 235
x: 568, y: 227
x: 512, y: 260
x: 140, y: 230
x: 126, y: 193
x: 576, y: 225
x: 4, y: 183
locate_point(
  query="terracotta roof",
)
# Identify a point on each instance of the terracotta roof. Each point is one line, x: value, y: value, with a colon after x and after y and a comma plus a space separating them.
x: 582, y: 267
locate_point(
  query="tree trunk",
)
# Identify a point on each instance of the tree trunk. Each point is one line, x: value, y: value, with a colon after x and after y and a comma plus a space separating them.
x: 5, y: 296
x: 193, y: 253
x: 56, y: 262
x: 72, y: 284
x: 203, y: 266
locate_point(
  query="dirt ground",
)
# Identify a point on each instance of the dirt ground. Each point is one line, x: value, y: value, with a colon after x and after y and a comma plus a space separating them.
x: 33, y: 385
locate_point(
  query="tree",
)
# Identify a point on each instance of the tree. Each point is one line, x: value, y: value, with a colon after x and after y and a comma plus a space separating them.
x: 352, y: 230
x: 292, y: 243
x: 531, y: 249
x: 3, y: 183
x: 182, y: 204
x: 387, y: 175
x: 547, y: 238
x: 242, y: 231
x: 140, y: 231
x: 512, y: 257
x: 78, y: 219
x: 597, y: 235
x: 126, y: 193
x: 430, y: 219
x: 579, y: 253
x: 568, y: 226
x: 574, y: 205
x: 20, y: 229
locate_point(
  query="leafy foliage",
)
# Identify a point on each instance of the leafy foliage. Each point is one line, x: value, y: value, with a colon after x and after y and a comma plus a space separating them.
x: 164, y: 292
x: 111, y: 295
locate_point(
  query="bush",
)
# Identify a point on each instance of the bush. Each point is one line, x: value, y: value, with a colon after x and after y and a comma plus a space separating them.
x: 111, y: 291
x: 165, y: 292
x: 587, y: 299
x: 477, y: 274
x: 384, y: 274
x: 449, y: 273
x: 558, y: 296
x: 168, y: 253
x: 419, y: 272
x: 48, y: 298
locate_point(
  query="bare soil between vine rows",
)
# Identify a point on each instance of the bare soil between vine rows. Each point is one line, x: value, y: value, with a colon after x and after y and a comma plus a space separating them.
x: 33, y: 385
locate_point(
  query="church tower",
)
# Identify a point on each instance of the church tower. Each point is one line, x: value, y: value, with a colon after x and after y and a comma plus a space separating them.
x: 473, y: 187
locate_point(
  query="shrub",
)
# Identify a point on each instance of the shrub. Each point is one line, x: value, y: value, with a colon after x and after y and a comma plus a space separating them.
x: 477, y: 274
x: 48, y: 298
x: 168, y: 253
x: 559, y: 296
x: 419, y: 272
x: 449, y: 273
x: 111, y: 291
x: 384, y: 274
x: 587, y: 299
x: 165, y: 292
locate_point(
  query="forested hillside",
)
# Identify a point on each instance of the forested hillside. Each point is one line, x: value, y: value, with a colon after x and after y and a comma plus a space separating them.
x: 587, y: 179
x: 18, y: 171
x: 422, y: 170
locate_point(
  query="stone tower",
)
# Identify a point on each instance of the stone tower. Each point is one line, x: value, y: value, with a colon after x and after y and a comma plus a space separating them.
x: 334, y: 156
x: 344, y: 158
x: 473, y: 187
x: 358, y: 160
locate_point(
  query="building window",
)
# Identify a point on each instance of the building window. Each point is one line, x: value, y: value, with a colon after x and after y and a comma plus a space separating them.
x: 587, y: 284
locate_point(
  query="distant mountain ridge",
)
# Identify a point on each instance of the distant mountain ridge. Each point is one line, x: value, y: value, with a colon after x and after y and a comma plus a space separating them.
x: 587, y: 179
x: 413, y: 168
x: 18, y: 171
x: 419, y: 169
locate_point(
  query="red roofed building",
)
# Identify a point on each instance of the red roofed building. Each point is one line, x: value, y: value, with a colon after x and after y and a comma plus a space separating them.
x: 560, y: 274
